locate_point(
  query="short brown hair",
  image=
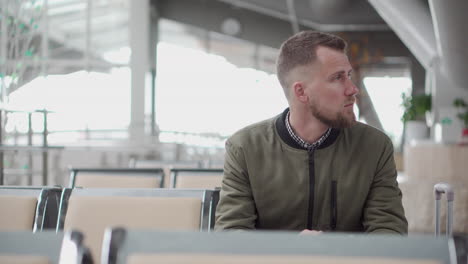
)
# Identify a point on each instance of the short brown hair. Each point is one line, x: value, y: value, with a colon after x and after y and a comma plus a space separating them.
x: 300, y: 50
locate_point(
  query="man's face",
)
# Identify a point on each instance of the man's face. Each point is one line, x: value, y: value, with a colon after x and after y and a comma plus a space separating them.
x: 330, y: 91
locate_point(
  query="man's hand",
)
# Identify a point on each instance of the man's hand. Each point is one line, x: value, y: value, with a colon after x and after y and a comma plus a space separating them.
x: 310, y: 232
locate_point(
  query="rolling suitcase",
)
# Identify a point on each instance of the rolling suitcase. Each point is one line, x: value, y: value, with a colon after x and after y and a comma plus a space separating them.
x: 439, y: 189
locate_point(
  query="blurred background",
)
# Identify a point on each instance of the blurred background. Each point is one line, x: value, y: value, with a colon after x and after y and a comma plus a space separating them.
x: 108, y: 83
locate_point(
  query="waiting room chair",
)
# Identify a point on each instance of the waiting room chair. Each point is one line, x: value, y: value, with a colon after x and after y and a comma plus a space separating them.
x: 29, y: 208
x: 47, y: 247
x: 138, y: 163
x: 92, y: 210
x: 125, y: 246
x: 116, y: 178
x: 166, y: 165
x: 196, y: 178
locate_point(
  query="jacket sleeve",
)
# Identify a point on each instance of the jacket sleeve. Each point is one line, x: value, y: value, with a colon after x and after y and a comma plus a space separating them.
x: 383, y: 212
x: 236, y: 207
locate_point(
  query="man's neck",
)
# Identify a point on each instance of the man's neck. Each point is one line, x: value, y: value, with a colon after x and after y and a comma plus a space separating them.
x: 306, y: 126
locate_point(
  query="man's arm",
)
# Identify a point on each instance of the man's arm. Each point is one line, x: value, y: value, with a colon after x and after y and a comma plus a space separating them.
x: 384, y: 211
x: 236, y: 207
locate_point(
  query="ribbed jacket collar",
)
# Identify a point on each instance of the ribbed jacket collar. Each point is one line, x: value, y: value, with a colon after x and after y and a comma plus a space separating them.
x: 283, y: 133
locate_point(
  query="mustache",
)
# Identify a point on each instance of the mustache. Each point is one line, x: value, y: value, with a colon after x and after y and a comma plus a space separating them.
x: 351, y: 100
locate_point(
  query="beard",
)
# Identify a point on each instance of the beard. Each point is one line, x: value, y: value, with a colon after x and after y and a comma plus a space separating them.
x: 339, y: 121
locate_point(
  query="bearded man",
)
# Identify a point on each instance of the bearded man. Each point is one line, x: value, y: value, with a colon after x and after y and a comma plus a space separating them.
x: 313, y: 168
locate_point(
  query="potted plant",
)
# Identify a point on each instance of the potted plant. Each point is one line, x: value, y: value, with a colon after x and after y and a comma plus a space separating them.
x: 462, y: 109
x: 414, y: 115
x: 415, y: 107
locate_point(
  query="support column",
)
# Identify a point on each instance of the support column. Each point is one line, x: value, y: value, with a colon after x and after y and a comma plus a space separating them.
x: 450, y: 22
x: 45, y: 38
x: 30, y: 155
x: 3, y: 73
x: 139, y: 39
x: 438, y: 43
x: 153, y: 51
x: 3, y: 49
x: 45, y: 151
x: 444, y: 91
x: 88, y: 32
x: 2, y: 164
x: 448, y: 76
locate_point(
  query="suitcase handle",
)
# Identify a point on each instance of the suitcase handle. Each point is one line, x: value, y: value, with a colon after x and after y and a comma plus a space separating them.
x: 439, y: 189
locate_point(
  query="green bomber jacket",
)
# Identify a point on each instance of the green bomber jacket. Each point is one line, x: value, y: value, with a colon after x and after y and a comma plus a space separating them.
x: 348, y: 184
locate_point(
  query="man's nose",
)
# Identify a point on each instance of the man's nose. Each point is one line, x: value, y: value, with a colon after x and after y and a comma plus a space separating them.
x: 351, y: 89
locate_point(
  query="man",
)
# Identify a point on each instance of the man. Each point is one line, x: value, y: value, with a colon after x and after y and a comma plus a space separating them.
x: 312, y: 168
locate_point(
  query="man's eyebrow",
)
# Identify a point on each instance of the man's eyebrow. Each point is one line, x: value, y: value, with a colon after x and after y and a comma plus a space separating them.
x: 337, y: 73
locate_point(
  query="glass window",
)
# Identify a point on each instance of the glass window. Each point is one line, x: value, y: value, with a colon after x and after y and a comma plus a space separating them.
x: 80, y: 73
x: 385, y: 93
x: 199, y: 91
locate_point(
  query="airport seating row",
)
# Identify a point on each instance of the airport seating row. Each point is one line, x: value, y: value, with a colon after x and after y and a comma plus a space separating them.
x: 145, y: 177
x: 81, y: 214
x: 92, y: 210
x: 145, y: 246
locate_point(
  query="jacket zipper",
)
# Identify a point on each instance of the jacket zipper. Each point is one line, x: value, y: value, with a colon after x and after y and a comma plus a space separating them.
x: 334, y: 209
x: 311, y: 188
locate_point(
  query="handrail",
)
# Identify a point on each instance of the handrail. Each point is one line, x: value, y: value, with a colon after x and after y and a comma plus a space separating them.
x: 44, y: 148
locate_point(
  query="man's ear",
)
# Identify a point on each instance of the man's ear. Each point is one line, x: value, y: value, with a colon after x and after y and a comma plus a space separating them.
x: 299, y: 92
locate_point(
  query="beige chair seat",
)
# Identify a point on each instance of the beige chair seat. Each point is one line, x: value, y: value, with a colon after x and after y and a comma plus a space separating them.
x: 17, y: 212
x: 199, y: 181
x: 116, y: 177
x: 196, y: 178
x: 28, y: 208
x: 109, y: 180
x: 92, y: 215
x: 91, y: 211
x: 24, y: 259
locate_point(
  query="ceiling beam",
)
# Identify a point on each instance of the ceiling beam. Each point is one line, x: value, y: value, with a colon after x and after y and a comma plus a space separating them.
x: 257, y: 27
